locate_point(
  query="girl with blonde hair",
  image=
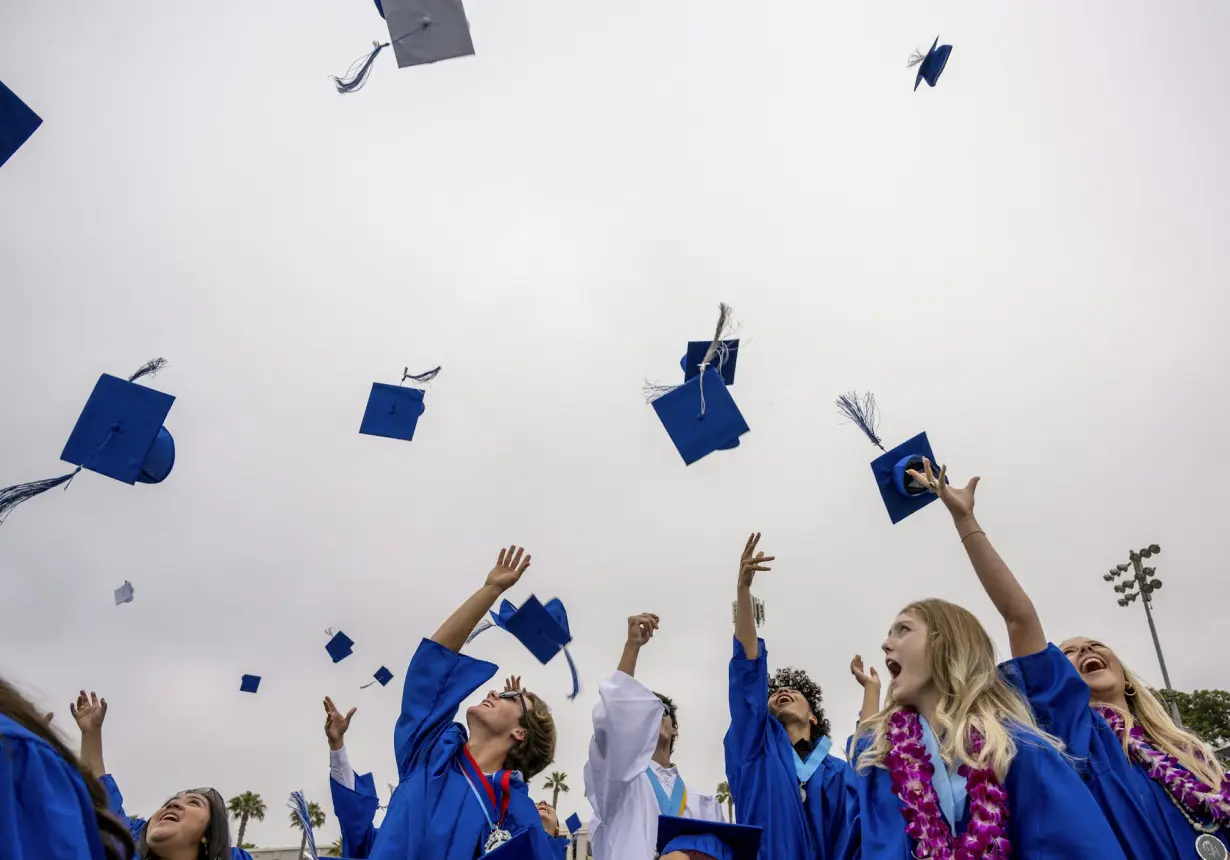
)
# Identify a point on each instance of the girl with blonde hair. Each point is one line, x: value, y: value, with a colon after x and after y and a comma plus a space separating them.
x: 1159, y: 786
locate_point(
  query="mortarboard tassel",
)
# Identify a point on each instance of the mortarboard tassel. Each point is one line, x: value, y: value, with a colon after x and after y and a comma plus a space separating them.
x: 422, y: 377
x: 11, y: 497
x: 356, y: 77
x: 716, y: 355
x: 485, y: 624
x: 863, y: 412
x: 576, y: 682
x: 149, y: 368
x: 298, y: 805
x: 916, y: 59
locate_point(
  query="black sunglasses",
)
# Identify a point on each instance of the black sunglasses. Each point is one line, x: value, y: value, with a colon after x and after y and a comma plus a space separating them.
x: 514, y: 694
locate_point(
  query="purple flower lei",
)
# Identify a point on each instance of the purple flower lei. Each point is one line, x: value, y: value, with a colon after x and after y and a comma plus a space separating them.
x: 1182, y: 784
x: 985, y: 838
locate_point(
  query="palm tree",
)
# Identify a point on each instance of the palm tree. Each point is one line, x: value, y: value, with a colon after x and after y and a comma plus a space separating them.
x: 723, y: 797
x: 316, y: 817
x: 334, y: 850
x: 557, y: 782
x: 245, y: 806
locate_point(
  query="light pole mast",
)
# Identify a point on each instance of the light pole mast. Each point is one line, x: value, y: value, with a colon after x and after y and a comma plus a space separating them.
x: 1144, y: 580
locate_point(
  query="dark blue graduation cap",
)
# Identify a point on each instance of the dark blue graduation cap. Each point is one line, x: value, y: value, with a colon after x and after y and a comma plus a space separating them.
x: 393, y: 410
x: 340, y: 647
x: 718, y: 839
x: 902, y: 494
x: 17, y: 123
x: 420, y: 31
x: 543, y: 629
x: 931, y: 66
x: 724, y: 359
x: 383, y: 676
x: 249, y: 683
x: 119, y: 434
x: 573, y: 823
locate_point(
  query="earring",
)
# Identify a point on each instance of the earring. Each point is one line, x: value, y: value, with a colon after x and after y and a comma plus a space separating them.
x: 1129, y: 689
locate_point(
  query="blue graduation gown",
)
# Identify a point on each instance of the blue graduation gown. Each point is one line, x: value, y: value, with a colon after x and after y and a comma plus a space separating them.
x: 763, y: 782
x: 355, y: 811
x: 45, y: 808
x: 1148, y: 825
x: 115, y: 802
x: 559, y: 845
x: 1051, y: 815
x: 433, y: 814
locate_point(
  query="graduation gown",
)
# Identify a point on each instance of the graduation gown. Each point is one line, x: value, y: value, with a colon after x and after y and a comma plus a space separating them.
x: 1051, y: 815
x: 45, y: 808
x: 559, y: 844
x: 1146, y: 822
x: 627, y: 720
x: 434, y: 814
x: 764, y: 785
x: 355, y: 810
x: 115, y: 800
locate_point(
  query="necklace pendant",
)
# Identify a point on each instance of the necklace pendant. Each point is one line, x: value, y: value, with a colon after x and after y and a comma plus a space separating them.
x: 1210, y: 848
x: 497, y: 838
x: 802, y: 793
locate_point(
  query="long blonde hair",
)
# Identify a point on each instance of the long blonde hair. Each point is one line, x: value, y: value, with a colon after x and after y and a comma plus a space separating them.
x: 972, y: 695
x: 1147, y: 711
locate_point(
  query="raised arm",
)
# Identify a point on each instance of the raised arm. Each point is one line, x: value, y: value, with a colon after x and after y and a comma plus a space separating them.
x: 508, y: 569
x: 750, y: 564
x: 1025, y: 634
x: 640, y: 630
x: 869, y: 680
x: 89, y: 712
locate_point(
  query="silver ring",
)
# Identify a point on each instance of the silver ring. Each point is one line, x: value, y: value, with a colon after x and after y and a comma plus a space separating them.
x: 932, y: 485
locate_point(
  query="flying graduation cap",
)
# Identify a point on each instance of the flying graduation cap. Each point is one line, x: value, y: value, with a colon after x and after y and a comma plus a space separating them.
x: 393, y: 410
x: 119, y: 434
x: 340, y: 646
x: 902, y: 494
x: 124, y: 593
x: 543, y: 629
x: 700, y: 416
x: 383, y: 676
x: 573, y: 823
x: 249, y: 683
x: 930, y: 65
x: 715, y: 839
x: 17, y: 123
x: 420, y: 31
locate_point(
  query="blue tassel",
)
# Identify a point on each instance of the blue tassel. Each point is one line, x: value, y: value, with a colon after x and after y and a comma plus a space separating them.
x: 863, y: 413
x: 11, y: 497
x: 422, y: 377
x: 298, y: 805
x: 355, y: 79
x: 149, y: 369
x: 576, y: 682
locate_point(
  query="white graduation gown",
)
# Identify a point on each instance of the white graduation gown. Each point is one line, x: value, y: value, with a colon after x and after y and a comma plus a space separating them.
x: 627, y: 719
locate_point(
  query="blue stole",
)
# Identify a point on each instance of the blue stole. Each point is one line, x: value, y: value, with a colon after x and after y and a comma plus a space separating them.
x: 678, y: 799
x: 949, y: 787
x: 805, y: 769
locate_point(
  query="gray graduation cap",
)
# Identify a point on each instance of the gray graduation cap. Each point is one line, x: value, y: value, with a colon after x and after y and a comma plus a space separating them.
x: 124, y: 593
x: 420, y: 31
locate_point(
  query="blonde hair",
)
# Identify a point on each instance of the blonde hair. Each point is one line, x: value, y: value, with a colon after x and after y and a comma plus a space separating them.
x: 972, y: 695
x: 1146, y: 710
x: 532, y: 755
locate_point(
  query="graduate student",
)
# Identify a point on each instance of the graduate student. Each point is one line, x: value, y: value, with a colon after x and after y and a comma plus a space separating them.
x: 462, y: 790
x: 1160, y: 787
x: 550, y: 824
x: 782, y: 775
x: 51, y: 808
x: 629, y: 777
x: 191, y: 825
x: 355, y: 801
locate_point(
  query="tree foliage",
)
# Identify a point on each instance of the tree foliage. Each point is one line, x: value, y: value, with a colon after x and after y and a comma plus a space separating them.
x: 1207, y: 714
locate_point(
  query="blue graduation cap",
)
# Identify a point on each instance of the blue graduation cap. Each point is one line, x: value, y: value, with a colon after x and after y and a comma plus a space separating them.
x: 718, y: 839
x: 124, y: 593
x: 17, y: 123
x: 573, y: 823
x: 931, y: 66
x: 249, y: 683
x: 902, y: 494
x: 543, y: 629
x: 119, y: 434
x: 420, y: 31
x: 724, y: 358
x: 383, y: 676
x: 518, y: 848
x: 340, y: 647
x: 393, y: 410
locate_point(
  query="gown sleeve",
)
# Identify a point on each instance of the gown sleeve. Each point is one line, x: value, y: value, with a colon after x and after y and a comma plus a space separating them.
x: 355, y: 809
x: 749, y: 707
x: 437, y: 682
x: 627, y: 719
x: 115, y: 802
x: 45, y: 809
x: 1057, y: 694
x: 559, y: 844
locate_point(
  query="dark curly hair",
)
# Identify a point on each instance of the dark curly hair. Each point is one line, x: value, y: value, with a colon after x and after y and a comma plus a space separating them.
x: 672, y: 711
x: 796, y: 679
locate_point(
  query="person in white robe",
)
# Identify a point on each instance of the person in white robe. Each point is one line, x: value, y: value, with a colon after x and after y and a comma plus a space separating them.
x: 629, y: 777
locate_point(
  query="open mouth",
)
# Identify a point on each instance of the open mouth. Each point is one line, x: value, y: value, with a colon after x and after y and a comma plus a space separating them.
x: 782, y: 699
x: 1092, y: 663
x: 170, y: 816
x: 894, y: 668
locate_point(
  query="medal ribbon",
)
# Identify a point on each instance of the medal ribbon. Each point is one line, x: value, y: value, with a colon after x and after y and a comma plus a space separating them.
x: 677, y: 802
x: 805, y: 769
x: 488, y: 788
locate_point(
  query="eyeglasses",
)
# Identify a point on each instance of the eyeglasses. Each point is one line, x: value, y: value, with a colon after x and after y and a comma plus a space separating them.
x: 514, y: 694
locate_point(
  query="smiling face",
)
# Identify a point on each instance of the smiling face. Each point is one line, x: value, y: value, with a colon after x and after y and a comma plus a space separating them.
x: 789, y: 705
x: 181, y: 823
x: 907, y: 659
x: 550, y: 821
x: 499, y: 715
x: 1098, y: 667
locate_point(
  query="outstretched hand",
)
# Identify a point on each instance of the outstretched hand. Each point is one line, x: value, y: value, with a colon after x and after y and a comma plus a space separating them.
x: 960, y: 502
x: 863, y: 677
x: 89, y: 712
x: 512, y: 684
x: 641, y: 628
x: 508, y: 568
x: 752, y: 561
x: 336, y: 725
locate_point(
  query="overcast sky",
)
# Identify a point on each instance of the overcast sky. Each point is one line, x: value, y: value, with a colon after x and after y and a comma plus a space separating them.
x: 1029, y: 262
